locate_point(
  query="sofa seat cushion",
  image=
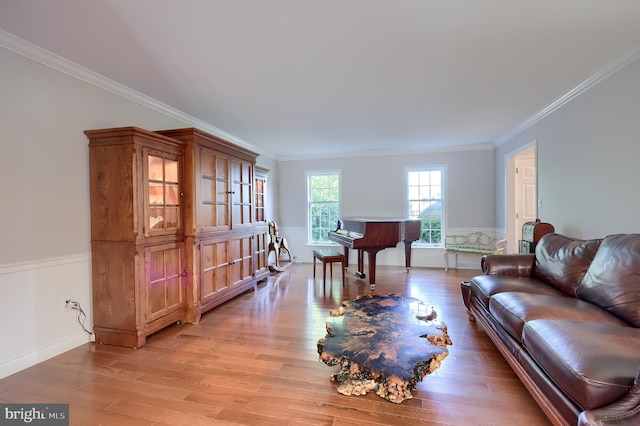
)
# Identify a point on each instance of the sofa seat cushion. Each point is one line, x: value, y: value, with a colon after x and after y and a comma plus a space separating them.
x: 594, y: 364
x: 612, y: 278
x: 512, y: 310
x: 485, y: 286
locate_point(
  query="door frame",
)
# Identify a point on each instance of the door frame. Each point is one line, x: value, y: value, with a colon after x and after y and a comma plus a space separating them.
x: 513, y: 234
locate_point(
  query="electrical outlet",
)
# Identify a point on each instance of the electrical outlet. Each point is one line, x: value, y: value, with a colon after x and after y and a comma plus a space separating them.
x: 68, y: 305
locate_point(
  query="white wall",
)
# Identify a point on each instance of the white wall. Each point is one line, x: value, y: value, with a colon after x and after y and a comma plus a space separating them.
x: 375, y: 186
x: 44, y: 216
x: 588, y: 152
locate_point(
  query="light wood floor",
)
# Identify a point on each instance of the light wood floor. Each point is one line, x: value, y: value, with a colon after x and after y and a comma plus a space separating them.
x: 254, y: 361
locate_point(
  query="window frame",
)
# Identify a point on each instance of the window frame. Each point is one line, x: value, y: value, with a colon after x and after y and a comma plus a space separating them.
x: 443, y: 176
x: 308, y: 177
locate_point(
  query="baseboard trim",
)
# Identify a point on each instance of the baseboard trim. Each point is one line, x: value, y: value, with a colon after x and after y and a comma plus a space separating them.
x: 27, y: 360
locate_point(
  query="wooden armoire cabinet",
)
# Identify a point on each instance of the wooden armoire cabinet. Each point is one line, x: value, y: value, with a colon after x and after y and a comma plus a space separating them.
x: 173, y: 232
x: 137, y: 234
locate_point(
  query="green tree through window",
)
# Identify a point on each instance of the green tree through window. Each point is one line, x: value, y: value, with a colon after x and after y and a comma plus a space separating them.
x: 323, y: 199
x: 425, y: 202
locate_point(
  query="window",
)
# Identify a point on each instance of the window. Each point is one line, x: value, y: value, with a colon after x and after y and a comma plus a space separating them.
x: 323, y: 201
x: 426, y: 201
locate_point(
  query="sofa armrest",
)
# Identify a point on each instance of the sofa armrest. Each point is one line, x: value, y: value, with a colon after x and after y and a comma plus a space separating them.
x: 623, y: 412
x: 516, y: 265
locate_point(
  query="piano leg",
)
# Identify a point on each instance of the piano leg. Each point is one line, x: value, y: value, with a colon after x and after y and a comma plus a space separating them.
x: 407, y: 254
x: 360, y: 271
x: 346, y: 258
x: 372, y: 267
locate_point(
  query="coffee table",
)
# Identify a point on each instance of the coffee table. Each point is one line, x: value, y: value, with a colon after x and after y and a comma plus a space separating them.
x: 383, y: 343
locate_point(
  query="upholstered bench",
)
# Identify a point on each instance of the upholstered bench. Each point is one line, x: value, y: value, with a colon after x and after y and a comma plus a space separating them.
x: 476, y: 244
x: 329, y: 256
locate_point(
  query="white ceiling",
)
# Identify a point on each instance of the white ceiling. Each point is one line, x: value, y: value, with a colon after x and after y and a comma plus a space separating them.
x: 300, y: 78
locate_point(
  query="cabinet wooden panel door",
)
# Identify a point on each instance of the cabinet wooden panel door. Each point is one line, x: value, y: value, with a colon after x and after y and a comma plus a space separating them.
x: 261, y: 253
x: 214, y: 269
x: 241, y: 259
x: 164, y: 273
x: 225, y: 270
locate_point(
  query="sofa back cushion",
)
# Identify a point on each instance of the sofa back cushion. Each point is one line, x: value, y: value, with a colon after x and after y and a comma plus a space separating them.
x: 613, y: 279
x: 562, y: 262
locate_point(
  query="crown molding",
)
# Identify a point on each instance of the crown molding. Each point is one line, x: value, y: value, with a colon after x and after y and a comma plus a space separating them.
x: 386, y: 153
x: 49, y: 59
x: 611, y: 68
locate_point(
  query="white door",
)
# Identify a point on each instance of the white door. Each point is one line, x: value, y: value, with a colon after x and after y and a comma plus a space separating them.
x: 525, y: 191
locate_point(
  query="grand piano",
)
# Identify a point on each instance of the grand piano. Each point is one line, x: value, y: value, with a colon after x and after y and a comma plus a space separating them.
x: 372, y: 235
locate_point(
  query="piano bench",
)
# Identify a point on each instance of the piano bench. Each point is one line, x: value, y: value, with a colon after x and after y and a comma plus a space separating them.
x: 329, y: 256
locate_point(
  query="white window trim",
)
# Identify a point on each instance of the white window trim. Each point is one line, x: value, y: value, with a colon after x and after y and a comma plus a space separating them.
x: 307, y: 210
x: 443, y: 169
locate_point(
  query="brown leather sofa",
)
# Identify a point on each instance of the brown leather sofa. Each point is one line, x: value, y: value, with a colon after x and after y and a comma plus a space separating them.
x: 567, y: 320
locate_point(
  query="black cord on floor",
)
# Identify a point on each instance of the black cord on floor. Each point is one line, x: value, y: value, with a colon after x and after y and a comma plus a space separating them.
x: 82, y: 317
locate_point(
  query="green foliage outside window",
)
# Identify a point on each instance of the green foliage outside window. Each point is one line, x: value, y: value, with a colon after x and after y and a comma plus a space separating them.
x: 431, y: 230
x: 324, y: 205
x: 425, y: 201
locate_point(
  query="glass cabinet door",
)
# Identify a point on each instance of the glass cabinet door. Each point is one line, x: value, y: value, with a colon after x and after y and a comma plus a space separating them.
x: 162, y: 193
x: 259, y: 190
x: 214, y: 196
x: 241, y: 193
